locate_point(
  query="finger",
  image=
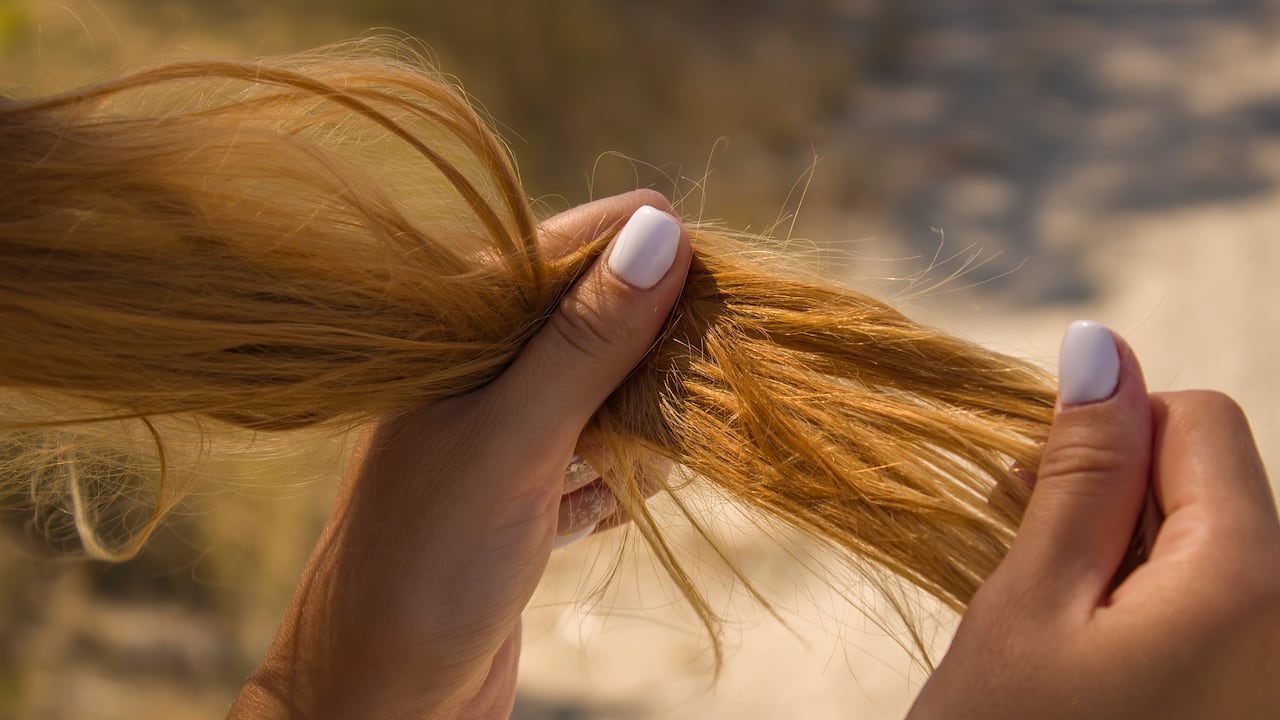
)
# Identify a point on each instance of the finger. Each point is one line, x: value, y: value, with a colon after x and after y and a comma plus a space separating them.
x: 584, y: 508
x: 1221, y: 523
x: 1092, y: 479
x: 594, y: 508
x: 1206, y: 460
x: 578, y: 474
x: 565, y: 232
x: 1008, y: 497
x: 1024, y: 475
x: 602, y: 329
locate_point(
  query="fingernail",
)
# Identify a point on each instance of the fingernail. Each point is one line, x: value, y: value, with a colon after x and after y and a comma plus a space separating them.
x: 578, y: 474
x: 1089, y: 364
x: 563, y: 540
x: 646, y: 247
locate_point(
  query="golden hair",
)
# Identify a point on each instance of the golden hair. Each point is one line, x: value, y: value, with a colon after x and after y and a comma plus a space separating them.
x: 326, y: 239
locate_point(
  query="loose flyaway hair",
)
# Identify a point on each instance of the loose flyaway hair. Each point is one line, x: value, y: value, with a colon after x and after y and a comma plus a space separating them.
x: 206, y: 248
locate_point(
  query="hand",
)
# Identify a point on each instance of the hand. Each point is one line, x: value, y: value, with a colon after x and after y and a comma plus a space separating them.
x: 1192, y: 633
x: 410, y: 606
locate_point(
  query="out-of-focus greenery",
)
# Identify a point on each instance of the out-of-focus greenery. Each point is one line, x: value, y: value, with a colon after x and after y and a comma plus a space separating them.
x: 13, y: 22
x: 1010, y: 125
x: 173, y: 632
x: 657, y: 81
x: 569, y: 81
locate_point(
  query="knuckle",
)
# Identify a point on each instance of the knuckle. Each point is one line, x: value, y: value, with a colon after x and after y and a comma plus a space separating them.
x: 1193, y: 407
x: 585, y: 327
x: 1217, y: 402
x: 1079, y: 460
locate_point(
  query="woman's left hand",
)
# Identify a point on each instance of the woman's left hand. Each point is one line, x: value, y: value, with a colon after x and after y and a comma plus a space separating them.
x: 411, y: 604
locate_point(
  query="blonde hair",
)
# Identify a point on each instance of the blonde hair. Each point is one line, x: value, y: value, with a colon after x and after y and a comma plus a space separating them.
x: 326, y: 239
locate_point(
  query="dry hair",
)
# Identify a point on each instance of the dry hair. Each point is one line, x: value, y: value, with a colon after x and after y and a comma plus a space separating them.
x: 326, y: 239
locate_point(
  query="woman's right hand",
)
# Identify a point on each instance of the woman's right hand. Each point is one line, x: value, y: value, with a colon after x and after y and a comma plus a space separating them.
x: 1195, y: 631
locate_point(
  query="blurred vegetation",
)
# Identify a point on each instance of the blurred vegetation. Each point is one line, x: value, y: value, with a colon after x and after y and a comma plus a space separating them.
x: 1008, y: 124
x: 579, y: 87
x: 173, y: 632
x: 656, y: 81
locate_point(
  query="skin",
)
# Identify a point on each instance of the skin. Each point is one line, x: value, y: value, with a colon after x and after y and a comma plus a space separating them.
x: 410, y: 606
x: 1192, y: 633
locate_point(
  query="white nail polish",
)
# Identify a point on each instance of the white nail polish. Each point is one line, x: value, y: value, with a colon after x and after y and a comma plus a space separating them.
x: 1089, y: 364
x: 578, y: 473
x: 646, y: 247
x: 563, y: 540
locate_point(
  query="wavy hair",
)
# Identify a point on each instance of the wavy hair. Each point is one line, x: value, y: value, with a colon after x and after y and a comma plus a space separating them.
x: 326, y: 239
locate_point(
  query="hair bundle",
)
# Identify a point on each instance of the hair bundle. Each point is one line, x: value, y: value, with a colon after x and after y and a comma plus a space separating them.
x: 327, y: 239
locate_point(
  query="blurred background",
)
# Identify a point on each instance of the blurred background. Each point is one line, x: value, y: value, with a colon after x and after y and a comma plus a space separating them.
x: 1118, y: 160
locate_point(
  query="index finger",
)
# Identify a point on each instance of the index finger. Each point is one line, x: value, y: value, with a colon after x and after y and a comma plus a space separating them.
x: 1205, y: 456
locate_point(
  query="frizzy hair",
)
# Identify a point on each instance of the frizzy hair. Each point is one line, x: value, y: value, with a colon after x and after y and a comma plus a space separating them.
x: 326, y: 239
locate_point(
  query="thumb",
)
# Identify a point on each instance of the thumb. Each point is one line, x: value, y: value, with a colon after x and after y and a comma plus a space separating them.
x: 1094, y: 475
x: 602, y: 328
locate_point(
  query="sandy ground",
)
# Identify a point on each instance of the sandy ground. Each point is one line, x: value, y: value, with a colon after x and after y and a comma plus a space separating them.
x: 1118, y: 161
x: 1199, y: 313
x: 1176, y: 245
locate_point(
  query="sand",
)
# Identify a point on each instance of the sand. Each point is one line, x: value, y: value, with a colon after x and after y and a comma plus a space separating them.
x: 1155, y: 210
x: 1115, y: 161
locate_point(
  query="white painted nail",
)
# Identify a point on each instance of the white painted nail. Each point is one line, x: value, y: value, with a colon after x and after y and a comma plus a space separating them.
x: 563, y: 540
x: 1089, y: 364
x: 646, y: 247
x: 578, y: 474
